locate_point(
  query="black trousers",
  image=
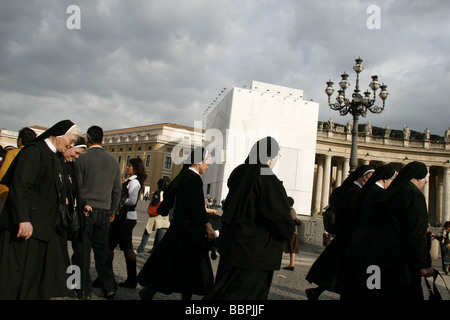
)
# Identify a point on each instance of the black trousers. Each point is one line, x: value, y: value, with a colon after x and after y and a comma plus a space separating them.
x: 96, y: 238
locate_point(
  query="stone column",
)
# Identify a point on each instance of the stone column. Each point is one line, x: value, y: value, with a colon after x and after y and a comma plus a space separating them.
x: 326, y: 182
x: 439, y: 198
x: 345, y: 168
x: 318, y: 190
x: 446, y: 195
x: 426, y: 189
x: 339, y: 174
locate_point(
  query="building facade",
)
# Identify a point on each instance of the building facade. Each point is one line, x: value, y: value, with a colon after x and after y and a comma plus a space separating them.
x: 333, y: 157
x: 156, y: 145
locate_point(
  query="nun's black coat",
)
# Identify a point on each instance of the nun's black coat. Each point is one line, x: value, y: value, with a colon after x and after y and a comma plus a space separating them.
x: 391, y: 235
x: 180, y: 263
x: 33, y: 268
x: 395, y: 241
x: 255, y: 223
x: 326, y: 270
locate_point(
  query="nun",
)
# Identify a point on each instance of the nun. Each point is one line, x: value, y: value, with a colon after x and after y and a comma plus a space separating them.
x: 30, y: 248
x: 326, y: 270
x: 180, y: 263
x: 363, y: 249
x: 256, y: 221
x: 404, y: 257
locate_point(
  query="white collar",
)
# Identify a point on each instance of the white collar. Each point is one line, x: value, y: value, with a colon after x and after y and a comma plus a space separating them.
x: 50, y: 145
x: 357, y: 183
x: 193, y: 169
x: 379, y: 184
x: 132, y: 177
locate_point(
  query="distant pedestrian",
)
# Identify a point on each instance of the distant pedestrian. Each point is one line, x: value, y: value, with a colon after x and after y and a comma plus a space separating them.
x: 444, y: 240
x: 180, y: 263
x: 255, y: 224
x: 33, y: 258
x: 155, y: 222
x: 291, y: 246
x: 25, y: 137
x: 99, y: 183
x: 121, y: 231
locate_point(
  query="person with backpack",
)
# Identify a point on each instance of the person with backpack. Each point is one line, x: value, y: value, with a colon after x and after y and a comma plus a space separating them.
x: 325, y: 271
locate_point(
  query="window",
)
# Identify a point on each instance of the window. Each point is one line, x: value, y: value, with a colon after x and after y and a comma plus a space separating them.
x: 147, y: 161
x: 167, y: 163
x: 119, y: 159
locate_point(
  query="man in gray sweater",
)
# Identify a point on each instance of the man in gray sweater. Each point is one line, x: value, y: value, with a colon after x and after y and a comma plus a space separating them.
x: 99, y: 184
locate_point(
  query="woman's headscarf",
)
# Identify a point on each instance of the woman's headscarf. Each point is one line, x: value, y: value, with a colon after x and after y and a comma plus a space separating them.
x: 198, y: 155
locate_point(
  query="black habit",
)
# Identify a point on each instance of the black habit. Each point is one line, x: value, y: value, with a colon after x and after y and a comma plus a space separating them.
x: 326, y: 270
x: 33, y: 268
x: 180, y: 263
x: 255, y: 223
x: 369, y: 241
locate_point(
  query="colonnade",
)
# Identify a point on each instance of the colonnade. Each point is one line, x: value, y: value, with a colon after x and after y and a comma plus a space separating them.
x: 331, y: 171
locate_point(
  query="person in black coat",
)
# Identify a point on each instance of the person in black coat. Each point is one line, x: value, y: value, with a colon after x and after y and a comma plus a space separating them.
x: 325, y: 271
x: 180, y: 263
x: 33, y: 256
x: 362, y: 250
x: 256, y: 221
x: 401, y: 252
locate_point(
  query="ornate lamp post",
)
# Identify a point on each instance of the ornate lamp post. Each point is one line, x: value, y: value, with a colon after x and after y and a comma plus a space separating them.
x: 357, y: 106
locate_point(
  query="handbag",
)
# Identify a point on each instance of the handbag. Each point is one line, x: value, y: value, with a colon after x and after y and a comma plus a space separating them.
x: 152, y: 210
x: 154, y: 204
x: 433, y: 292
x: 329, y: 219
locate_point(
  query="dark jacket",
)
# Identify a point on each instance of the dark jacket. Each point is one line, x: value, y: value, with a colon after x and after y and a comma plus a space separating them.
x: 256, y: 220
x: 35, y: 181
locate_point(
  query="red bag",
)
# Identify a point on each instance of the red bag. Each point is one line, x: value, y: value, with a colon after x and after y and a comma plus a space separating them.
x: 152, y: 210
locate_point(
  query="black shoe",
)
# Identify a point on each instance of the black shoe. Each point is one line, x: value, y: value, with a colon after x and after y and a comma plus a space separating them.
x: 79, y: 295
x: 110, y: 295
x: 289, y: 268
x: 146, y: 294
x: 97, y: 283
x: 128, y: 284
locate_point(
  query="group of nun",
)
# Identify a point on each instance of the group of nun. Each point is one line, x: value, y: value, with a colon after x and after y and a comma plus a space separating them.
x: 380, y: 251
x: 256, y: 222
x: 33, y: 248
x: 386, y: 226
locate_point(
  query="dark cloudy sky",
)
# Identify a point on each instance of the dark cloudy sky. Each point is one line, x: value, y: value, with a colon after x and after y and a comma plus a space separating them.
x: 142, y: 62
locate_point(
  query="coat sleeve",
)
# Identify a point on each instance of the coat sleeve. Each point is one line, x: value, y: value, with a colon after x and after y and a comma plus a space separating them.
x: 193, y: 198
x: 25, y: 178
x: 273, y: 206
x: 415, y: 223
